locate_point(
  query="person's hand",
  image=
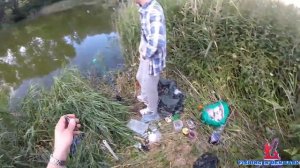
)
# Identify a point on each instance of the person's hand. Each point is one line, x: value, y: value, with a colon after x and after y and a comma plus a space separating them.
x: 142, y: 57
x: 141, y: 51
x: 141, y: 48
x: 64, y: 132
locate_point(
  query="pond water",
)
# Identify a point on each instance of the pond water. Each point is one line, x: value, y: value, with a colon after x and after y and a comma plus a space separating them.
x: 34, y: 51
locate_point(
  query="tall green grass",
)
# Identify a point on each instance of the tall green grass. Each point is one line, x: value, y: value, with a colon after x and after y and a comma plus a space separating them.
x: 246, y: 51
x: 30, y: 141
x: 4, y: 98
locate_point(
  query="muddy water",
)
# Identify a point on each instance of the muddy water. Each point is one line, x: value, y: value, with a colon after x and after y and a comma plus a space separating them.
x: 34, y: 51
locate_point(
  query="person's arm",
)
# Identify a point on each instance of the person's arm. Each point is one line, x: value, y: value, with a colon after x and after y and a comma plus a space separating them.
x: 63, y: 137
x: 156, y: 33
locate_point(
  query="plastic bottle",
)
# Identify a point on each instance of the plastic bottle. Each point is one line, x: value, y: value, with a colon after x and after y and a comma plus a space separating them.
x: 178, y: 124
x: 191, y: 124
x: 216, y: 135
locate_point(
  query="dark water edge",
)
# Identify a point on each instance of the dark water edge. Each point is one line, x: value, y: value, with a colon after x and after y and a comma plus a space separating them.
x: 11, y: 13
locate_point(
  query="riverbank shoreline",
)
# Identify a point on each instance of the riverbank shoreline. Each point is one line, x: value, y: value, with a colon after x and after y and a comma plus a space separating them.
x: 217, y: 50
x: 69, y: 4
x: 27, y: 11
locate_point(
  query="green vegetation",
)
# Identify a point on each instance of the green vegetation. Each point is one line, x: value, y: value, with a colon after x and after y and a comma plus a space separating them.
x: 28, y: 142
x: 4, y: 91
x: 16, y: 10
x: 245, y: 51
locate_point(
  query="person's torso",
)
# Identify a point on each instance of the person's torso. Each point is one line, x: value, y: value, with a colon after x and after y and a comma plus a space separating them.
x: 156, y: 9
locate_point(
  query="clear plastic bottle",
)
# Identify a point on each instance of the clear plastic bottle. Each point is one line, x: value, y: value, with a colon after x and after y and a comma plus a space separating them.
x: 155, y: 135
x: 216, y: 135
x: 178, y: 124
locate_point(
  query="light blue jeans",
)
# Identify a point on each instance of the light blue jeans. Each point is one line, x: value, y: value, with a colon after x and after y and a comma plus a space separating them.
x: 149, y: 84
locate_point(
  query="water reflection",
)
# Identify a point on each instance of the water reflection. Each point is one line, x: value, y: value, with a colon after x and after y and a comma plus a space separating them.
x: 101, y: 52
x: 9, y: 58
x: 34, y: 51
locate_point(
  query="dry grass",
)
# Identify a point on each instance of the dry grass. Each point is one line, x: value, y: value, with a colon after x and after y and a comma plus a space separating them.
x: 174, y: 150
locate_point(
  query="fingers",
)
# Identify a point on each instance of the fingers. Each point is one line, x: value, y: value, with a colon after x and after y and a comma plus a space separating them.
x: 72, y: 124
x: 77, y: 127
x: 61, y: 123
x: 71, y: 115
x: 76, y: 120
x: 76, y: 132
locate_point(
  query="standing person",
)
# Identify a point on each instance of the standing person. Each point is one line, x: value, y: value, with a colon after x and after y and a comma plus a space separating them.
x: 152, y: 51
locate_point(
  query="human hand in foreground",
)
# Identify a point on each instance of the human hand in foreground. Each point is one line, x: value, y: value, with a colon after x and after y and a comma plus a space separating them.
x: 65, y: 130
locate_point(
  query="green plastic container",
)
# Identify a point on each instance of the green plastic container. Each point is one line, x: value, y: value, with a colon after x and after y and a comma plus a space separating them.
x: 215, y: 114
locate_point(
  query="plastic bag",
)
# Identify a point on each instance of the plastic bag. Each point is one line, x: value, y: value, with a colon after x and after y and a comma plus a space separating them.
x: 207, y: 160
x: 215, y: 114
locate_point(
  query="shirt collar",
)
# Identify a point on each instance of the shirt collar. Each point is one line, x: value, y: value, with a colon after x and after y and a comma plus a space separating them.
x: 145, y: 6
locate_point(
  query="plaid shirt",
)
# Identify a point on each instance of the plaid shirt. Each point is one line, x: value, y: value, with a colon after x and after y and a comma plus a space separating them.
x: 153, y: 36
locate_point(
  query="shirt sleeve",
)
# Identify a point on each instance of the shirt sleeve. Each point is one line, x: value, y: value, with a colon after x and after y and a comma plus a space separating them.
x: 155, y: 34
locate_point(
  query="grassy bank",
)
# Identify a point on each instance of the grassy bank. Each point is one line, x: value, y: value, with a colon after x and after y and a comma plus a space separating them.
x: 247, y: 53
x: 27, y: 140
